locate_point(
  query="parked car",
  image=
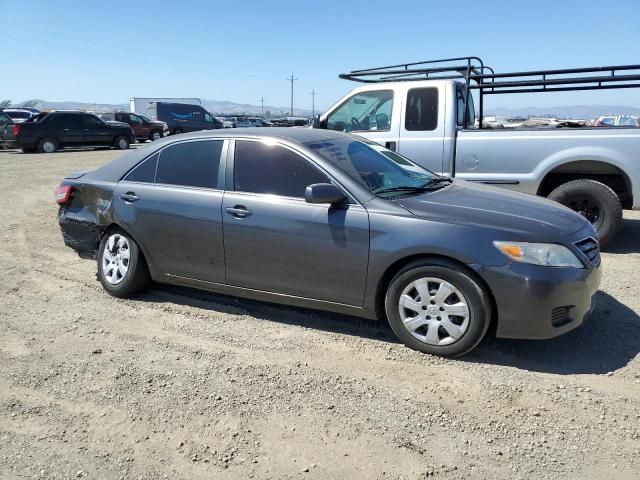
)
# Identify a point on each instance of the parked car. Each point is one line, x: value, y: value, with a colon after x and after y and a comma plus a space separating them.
x: 19, y: 115
x: 181, y: 117
x: 143, y: 128
x: 56, y: 130
x: 5, y: 120
x: 617, y: 121
x: 320, y: 219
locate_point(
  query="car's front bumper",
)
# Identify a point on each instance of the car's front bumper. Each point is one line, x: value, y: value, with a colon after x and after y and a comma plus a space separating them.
x: 535, y: 302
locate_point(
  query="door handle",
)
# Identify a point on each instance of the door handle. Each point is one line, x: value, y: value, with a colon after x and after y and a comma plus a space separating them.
x: 129, y: 197
x: 238, y: 211
x: 390, y: 145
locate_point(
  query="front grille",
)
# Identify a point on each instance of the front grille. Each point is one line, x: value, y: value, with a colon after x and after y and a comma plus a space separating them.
x: 560, y: 315
x: 590, y: 249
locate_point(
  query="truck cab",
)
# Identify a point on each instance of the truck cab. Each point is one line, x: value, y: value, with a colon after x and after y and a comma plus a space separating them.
x: 425, y: 111
x: 414, y: 119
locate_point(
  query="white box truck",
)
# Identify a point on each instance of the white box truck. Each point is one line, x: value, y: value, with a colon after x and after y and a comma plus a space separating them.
x: 139, y: 105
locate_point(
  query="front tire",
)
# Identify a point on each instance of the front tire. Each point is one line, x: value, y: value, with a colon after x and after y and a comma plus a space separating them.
x: 121, y: 143
x: 47, y: 145
x: 597, y: 202
x: 122, y: 270
x: 155, y: 135
x: 436, y: 307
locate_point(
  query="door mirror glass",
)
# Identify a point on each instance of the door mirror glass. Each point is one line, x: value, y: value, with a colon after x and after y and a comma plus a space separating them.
x: 324, y: 193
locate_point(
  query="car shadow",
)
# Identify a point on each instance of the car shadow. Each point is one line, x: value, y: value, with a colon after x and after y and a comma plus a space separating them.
x: 607, y: 341
x: 627, y: 239
x: 284, y: 314
x: 14, y: 151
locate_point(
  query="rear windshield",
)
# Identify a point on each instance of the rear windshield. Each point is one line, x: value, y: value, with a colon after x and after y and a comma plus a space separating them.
x: 371, y: 166
x: 18, y: 114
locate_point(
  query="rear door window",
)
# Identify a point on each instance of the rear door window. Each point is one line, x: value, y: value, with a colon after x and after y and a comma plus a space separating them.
x: 273, y: 169
x: 422, y: 109
x: 145, y: 172
x: 69, y: 121
x: 190, y: 164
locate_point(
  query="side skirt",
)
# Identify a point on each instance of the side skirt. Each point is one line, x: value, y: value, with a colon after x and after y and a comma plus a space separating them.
x: 263, y: 296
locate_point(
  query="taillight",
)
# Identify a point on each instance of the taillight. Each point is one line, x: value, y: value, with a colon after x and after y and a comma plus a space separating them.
x: 15, y: 129
x: 62, y: 194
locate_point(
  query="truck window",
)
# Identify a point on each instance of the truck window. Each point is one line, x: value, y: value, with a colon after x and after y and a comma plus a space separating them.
x: 470, y: 109
x: 134, y: 120
x: 422, y: 109
x: 363, y: 112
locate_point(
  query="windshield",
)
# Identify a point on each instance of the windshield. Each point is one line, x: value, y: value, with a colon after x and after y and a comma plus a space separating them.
x: 375, y: 167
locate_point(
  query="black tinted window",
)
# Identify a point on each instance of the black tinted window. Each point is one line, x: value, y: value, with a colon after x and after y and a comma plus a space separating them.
x: 68, y: 121
x: 262, y: 168
x: 422, y: 109
x: 90, y: 121
x: 145, y: 171
x: 193, y: 164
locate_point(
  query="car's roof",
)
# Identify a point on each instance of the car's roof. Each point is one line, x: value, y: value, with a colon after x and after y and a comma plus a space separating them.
x: 114, y: 170
x: 295, y: 134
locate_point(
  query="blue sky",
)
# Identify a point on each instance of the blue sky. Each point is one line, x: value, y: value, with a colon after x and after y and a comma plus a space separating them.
x: 242, y: 50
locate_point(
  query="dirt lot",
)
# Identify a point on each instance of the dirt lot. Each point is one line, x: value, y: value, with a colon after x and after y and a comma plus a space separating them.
x: 182, y: 384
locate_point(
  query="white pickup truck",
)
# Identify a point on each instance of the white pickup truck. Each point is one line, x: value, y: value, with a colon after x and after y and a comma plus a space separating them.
x: 595, y: 171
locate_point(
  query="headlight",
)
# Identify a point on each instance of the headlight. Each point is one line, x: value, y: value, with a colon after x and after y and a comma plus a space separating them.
x: 547, y: 254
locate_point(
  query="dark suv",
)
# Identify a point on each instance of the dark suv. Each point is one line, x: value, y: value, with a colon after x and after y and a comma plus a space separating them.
x: 71, y: 129
x: 143, y: 128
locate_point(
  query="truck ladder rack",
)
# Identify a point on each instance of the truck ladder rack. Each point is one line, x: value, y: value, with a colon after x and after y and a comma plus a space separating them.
x: 477, y: 76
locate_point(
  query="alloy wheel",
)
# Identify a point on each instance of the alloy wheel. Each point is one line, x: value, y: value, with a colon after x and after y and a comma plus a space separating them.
x: 115, y: 259
x: 434, y: 311
x: 49, y: 147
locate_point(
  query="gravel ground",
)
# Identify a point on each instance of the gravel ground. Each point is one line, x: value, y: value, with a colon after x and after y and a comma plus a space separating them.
x: 183, y: 384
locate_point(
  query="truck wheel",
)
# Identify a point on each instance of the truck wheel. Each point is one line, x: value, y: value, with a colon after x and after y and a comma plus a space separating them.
x: 121, y: 143
x: 595, y: 201
x: 436, y: 307
x: 47, y: 145
x: 155, y: 135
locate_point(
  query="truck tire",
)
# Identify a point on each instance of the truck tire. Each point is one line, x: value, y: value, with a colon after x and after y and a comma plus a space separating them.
x: 595, y: 201
x: 121, y: 142
x: 155, y: 135
x: 47, y: 145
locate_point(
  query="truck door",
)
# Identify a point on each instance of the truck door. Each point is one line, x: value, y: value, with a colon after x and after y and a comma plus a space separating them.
x: 422, y: 127
x: 373, y: 114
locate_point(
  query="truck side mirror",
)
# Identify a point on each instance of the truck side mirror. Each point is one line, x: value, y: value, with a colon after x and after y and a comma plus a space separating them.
x: 316, y: 122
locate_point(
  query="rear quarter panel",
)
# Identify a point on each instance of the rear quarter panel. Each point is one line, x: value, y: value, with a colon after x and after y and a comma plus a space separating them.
x: 524, y: 157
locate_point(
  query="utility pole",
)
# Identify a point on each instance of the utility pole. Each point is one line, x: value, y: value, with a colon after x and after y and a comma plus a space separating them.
x: 292, y: 80
x: 313, y: 94
x: 262, y: 105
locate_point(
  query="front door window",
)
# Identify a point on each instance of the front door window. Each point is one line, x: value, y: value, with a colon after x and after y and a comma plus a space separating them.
x: 367, y: 111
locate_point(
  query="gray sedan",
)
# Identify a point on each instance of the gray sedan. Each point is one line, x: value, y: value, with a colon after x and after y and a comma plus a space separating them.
x: 325, y: 220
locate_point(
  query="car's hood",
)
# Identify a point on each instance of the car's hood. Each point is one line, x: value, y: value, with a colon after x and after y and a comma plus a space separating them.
x: 530, y: 217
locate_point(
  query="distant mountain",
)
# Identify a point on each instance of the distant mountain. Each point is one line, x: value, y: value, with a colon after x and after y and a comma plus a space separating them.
x: 214, y: 106
x: 582, y: 112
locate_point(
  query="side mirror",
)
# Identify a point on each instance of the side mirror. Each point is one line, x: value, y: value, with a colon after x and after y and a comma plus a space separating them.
x: 324, y: 193
x: 316, y: 122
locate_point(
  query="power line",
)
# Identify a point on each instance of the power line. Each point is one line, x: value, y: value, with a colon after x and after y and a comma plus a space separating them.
x: 292, y: 80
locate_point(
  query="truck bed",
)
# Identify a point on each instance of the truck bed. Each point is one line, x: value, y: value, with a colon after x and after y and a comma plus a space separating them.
x: 522, y: 159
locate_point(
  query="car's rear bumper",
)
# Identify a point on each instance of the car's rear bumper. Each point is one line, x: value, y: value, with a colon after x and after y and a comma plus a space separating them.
x: 82, y: 236
x: 535, y: 302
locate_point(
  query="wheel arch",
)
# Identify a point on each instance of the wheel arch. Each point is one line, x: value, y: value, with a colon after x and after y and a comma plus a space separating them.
x: 117, y: 226
x: 391, y: 271
x: 600, y: 170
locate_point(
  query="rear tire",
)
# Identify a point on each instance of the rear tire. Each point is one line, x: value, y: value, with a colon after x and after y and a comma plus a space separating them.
x: 122, y: 270
x: 47, y: 145
x: 597, y: 202
x: 448, y: 324
x: 121, y: 143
